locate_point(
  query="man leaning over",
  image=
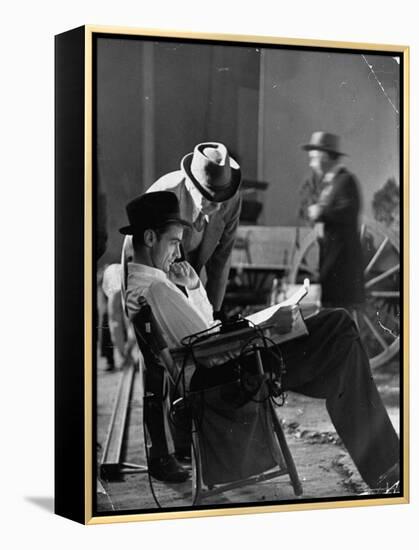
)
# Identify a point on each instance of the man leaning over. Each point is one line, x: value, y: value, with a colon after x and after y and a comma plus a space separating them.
x: 207, y: 188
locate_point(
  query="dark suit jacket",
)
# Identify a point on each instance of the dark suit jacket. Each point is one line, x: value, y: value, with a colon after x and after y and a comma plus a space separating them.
x: 341, y: 259
x: 214, y: 252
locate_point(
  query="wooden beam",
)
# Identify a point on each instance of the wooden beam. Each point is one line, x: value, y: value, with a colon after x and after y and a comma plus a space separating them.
x: 111, y: 458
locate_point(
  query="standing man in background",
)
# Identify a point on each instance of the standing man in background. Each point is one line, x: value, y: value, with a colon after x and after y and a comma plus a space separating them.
x: 332, y: 201
x: 206, y: 187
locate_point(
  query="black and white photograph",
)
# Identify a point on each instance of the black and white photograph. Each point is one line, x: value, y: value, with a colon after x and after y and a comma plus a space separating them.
x: 248, y: 268
x: 209, y: 238
x: 209, y: 262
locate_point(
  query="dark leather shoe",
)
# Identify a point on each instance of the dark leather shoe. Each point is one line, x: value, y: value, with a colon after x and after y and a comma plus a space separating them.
x: 167, y: 468
x: 183, y: 454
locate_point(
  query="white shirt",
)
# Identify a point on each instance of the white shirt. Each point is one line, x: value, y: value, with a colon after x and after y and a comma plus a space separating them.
x: 111, y: 283
x: 196, y: 210
x: 178, y: 315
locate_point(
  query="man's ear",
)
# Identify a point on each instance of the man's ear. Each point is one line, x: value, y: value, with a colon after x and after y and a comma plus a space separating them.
x: 149, y: 237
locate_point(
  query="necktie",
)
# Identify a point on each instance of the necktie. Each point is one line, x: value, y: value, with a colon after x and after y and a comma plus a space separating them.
x: 199, y: 222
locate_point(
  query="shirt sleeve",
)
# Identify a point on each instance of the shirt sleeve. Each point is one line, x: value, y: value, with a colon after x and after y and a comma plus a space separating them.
x: 112, y: 279
x: 199, y: 298
x: 179, y: 315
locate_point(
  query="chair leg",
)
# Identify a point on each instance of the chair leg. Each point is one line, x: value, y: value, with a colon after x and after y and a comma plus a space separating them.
x: 292, y: 470
x: 196, y: 468
x: 274, y: 443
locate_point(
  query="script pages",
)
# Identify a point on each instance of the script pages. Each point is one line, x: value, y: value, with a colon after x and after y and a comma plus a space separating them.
x: 268, y: 318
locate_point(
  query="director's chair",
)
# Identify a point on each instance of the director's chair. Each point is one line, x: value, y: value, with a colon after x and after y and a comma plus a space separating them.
x: 237, y: 438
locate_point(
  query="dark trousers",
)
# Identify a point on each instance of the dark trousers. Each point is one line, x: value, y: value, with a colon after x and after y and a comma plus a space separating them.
x: 169, y: 428
x: 331, y: 364
x: 155, y: 412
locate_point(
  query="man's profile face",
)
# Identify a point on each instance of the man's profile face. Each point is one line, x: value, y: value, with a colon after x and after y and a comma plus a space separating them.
x: 319, y: 162
x: 166, y: 248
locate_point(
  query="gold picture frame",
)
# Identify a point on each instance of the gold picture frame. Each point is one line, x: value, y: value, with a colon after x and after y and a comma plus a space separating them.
x: 89, y: 126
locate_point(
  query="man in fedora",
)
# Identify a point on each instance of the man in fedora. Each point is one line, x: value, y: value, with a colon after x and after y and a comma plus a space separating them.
x: 332, y: 201
x: 156, y: 228
x: 329, y: 362
x: 207, y: 187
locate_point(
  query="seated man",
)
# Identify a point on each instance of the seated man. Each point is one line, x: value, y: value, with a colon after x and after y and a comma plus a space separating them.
x: 329, y: 363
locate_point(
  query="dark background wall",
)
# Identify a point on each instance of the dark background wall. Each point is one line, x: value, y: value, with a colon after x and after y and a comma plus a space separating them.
x: 156, y: 100
x: 119, y: 130
x: 198, y: 90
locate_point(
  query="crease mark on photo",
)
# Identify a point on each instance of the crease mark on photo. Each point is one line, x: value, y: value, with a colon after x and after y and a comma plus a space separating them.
x: 371, y: 68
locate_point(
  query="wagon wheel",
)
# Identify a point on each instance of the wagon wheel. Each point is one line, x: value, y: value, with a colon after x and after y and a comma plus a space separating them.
x: 379, y: 319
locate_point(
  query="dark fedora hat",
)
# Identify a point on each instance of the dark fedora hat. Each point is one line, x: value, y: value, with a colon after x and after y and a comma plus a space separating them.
x: 324, y: 141
x: 151, y: 211
x: 213, y: 172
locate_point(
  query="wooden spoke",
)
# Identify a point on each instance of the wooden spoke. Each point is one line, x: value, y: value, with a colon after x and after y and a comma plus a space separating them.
x: 362, y: 232
x: 384, y: 275
x: 385, y: 294
x: 355, y: 318
x: 376, y: 256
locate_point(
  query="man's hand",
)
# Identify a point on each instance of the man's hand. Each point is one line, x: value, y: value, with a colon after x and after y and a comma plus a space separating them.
x: 285, y: 318
x: 314, y: 211
x: 182, y: 273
